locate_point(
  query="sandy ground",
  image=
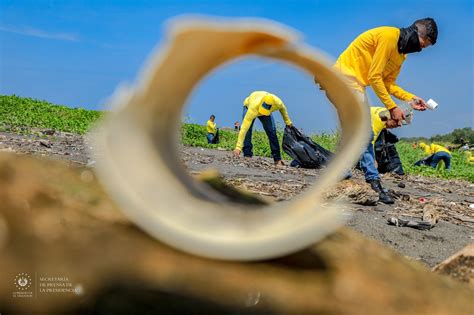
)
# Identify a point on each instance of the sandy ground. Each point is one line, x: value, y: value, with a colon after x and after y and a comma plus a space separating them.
x: 428, y: 246
x: 449, y: 199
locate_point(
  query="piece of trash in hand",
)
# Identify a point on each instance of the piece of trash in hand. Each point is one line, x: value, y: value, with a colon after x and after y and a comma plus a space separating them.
x: 431, y: 104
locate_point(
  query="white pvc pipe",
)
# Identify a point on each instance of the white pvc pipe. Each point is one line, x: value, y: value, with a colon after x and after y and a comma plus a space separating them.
x: 140, y: 165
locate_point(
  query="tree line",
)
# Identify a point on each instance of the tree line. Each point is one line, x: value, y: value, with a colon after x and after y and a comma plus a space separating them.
x: 457, y: 136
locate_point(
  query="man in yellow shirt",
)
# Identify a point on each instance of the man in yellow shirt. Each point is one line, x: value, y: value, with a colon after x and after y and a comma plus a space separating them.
x: 211, y: 129
x: 375, y: 58
x: 435, y: 153
x: 381, y: 119
x: 261, y: 105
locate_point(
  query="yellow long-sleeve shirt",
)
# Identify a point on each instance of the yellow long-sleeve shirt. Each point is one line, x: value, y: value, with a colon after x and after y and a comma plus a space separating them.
x: 253, y: 102
x: 377, y: 123
x: 211, y: 127
x: 373, y: 59
x: 433, y: 148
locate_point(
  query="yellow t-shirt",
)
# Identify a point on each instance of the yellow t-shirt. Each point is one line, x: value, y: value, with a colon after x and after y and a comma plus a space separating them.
x: 433, y: 148
x: 211, y: 127
x: 377, y: 123
x: 373, y: 59
x: 253, y: 102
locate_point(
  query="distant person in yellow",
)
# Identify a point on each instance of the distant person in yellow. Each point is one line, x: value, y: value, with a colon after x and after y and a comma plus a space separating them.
x: 435, y: 153
x: 376, y: 56
x: 261, y: 105
x: 211, y: 129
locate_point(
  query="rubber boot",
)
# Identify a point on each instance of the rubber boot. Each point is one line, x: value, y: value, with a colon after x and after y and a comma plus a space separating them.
x: 383, y: 196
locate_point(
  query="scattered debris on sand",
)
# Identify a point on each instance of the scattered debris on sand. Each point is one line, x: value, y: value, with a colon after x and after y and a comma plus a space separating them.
x: 445, y: 204
x: 70, y: 227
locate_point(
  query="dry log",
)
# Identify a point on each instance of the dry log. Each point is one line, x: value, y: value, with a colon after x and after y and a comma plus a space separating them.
x: 459, y: 265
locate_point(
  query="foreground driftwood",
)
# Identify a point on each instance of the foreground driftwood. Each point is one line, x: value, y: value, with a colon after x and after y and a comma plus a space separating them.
x: 55, y: 221
x: 459, y: 265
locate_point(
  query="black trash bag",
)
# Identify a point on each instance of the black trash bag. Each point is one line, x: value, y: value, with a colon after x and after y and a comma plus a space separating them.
x: 215, y: 139
x: 305, y: 152
x: 424, y: 161
x: 386, y: 154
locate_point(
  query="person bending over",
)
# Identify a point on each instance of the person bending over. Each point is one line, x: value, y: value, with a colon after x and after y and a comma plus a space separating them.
x: 261, y: 105
x: 380, y: 119
x: 375, y: 59
x: 435, y: 154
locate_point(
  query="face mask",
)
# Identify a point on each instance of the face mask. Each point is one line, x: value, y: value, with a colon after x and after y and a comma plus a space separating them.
x: 408, y: 42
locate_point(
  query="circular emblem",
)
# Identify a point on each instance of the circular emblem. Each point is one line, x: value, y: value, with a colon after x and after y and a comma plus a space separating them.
x: 22, y: 281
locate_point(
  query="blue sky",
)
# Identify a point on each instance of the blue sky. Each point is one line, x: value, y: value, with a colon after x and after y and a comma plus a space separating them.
x: 76, y: 52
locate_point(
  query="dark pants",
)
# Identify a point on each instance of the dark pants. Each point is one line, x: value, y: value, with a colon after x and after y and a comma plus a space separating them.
x: 213, y: 138
x: 441, y: 156
x: 268, y: 124
x: 210, y: 138
x: 434, y: 159
x: 367, y: 162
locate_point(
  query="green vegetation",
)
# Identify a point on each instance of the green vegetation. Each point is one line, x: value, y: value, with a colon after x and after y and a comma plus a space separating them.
x: 460, y: 167
x: 21, y: 114
x: 195, y: 135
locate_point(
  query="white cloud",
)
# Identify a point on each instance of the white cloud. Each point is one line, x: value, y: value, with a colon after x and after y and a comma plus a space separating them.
x: 29, y: 31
